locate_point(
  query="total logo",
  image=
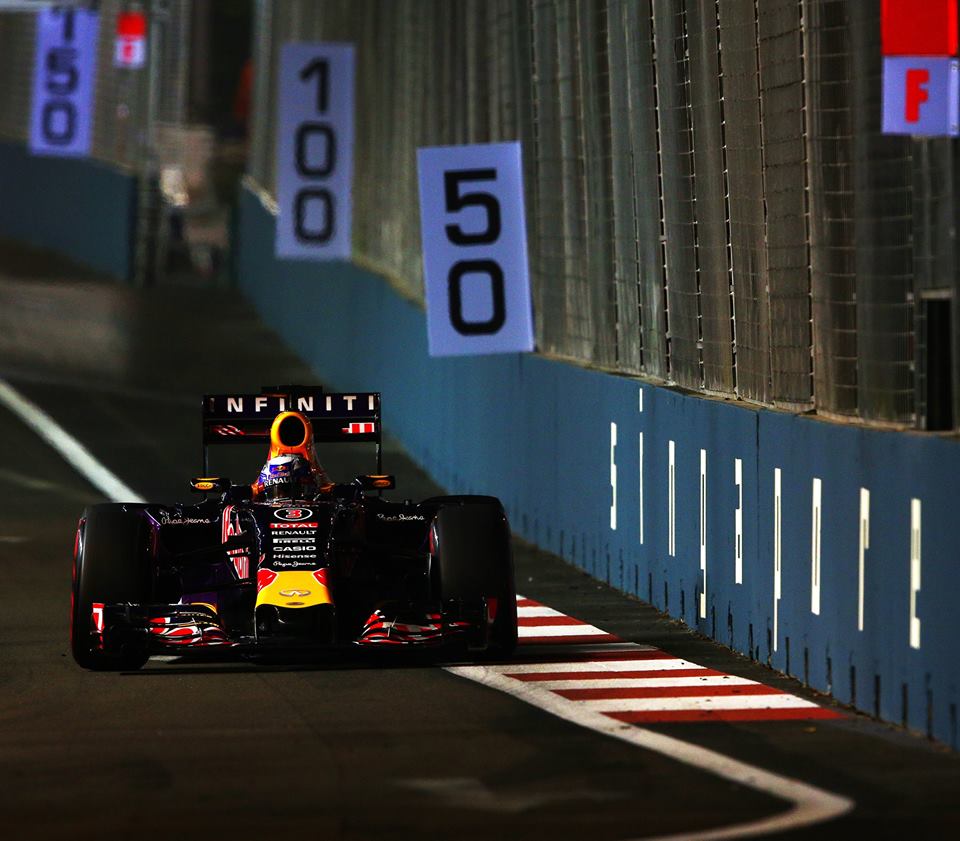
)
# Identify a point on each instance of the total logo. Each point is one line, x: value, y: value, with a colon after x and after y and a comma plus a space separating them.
x: 312, y: 525
x: 293, y: 515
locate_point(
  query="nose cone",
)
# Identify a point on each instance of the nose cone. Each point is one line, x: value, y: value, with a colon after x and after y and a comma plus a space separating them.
x: 291, y: 434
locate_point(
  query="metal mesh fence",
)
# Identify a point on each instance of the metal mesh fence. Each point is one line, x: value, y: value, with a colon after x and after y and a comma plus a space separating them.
x: 709, y: 163
x: 121, y: 100
x: 139, y: 115
x: 709, y: 199
x: 636, y: 171
x: 831, y: 171
x: 121, y: 121
x: 17, y: 37
x: 739, y: 46
x: 676, y: 137
x: 882, y: 230
x: 785, y: 191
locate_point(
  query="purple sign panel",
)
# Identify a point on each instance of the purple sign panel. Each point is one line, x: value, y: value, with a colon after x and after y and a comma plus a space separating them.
x: 65, y: 69
x: 315, y: 151
x: 475, y: 249
x: 921, y: 96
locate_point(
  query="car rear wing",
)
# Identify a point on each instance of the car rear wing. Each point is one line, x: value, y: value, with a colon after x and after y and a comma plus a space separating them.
x: 336, y: 417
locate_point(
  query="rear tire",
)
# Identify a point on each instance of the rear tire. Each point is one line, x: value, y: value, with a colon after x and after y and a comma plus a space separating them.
x: 110, y: 567
x: 475, y: 562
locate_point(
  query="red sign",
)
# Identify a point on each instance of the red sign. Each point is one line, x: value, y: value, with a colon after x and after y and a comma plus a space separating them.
x: 131, y: 44
x: 919, y: 27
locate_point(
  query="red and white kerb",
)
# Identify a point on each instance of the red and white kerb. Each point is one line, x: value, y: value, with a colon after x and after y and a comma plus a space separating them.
x: 629, y: 682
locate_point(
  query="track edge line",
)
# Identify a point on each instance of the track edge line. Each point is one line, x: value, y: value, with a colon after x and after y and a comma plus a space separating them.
x: 810, y: 805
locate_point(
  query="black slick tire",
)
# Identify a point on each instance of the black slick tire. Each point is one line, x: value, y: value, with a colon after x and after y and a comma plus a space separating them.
x: 475, y: 562
x: 110, y: 567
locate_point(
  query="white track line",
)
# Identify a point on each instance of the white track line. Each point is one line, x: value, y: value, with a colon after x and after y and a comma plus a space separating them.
x: 614, y: 682
x: 72, y: 451
x: 531, y: 612
x: 564, y: 649
x: 559, y: 631
x: 809, y: 804
x: 638, y: 665
x: 709, y: 702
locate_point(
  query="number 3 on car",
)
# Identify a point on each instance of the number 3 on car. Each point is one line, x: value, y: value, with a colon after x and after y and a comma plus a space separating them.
x: 475, y: 249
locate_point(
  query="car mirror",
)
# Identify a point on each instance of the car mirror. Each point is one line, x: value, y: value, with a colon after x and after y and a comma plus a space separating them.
x: 379, y: 482
x: 209, y: 484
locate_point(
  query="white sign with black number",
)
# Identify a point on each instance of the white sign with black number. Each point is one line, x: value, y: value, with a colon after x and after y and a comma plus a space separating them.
x: 63, y: 82
x: 315, y: 151
x: 475, y: 249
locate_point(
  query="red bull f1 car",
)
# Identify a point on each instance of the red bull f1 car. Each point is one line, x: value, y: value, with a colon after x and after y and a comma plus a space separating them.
x: 294, y: 562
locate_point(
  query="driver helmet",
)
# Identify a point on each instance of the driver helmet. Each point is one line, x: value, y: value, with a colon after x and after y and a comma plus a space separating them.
x: 287, y: 477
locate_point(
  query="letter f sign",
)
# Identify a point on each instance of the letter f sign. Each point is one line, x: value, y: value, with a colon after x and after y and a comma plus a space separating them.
x: 916, y: 93
x: 921, y: 95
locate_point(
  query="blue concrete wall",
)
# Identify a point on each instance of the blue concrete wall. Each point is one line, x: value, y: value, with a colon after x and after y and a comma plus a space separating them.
x: 80, y: 208
x: 537, y: 433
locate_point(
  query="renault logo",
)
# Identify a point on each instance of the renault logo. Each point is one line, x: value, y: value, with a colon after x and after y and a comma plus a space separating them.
x: 294, y: 594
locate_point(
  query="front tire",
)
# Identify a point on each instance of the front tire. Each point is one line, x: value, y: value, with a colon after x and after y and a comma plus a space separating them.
x: 110, y: 567
x: 475, y: 563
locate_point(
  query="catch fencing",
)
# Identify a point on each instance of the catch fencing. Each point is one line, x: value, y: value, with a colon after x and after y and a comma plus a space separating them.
x: 710, y: 202
x: 129, y: 106
x: 139, y: 116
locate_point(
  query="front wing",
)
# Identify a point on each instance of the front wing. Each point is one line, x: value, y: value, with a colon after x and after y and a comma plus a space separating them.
x: 179, y: 629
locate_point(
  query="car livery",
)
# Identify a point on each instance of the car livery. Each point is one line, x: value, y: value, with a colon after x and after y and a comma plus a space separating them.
x: 345, y: 567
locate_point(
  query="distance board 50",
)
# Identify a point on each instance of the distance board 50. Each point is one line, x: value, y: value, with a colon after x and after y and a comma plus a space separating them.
x: 475, y: 249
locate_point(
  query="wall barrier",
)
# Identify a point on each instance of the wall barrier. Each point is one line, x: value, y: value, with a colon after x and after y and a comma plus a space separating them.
x: 82, y: 209
x: 641, y: 486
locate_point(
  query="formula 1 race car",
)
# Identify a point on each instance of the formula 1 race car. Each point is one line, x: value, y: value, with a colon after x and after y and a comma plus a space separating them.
x: 293, y: 563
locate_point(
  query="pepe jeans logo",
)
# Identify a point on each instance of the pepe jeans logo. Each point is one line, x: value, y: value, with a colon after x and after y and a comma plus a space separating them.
x: 167, y: 520
x: 293, y: 514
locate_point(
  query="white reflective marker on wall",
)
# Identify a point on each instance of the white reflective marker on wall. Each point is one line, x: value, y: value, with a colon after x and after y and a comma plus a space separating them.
x: 65, y: 69
x: 738, y: 523
x: 613, y: 476
x: 777, y: 536
x: 672, y: 500
x: 640, y: 471
x: 315, y: 151
x: 474, y: 235
x: 640, y: 463
x: 915, y: 525
x: 815, y: 529
x: 703, y: 532
x: 864, y: 545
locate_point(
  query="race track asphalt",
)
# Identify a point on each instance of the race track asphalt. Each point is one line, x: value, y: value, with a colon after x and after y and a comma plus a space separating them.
x: 348, y: 749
